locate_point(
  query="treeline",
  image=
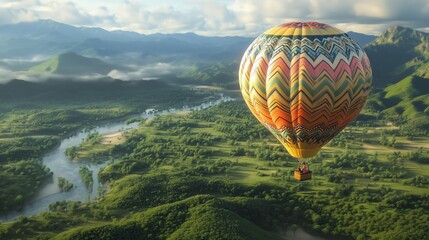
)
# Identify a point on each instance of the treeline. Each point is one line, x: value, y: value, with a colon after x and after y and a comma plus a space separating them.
x: 25, y: 148
x: 64, y: 185
x: 243, y: 126
x: 221, y: 74
x: 86, y: 176
x: 172, y: 201
x: 169, y: 186
x: 92, y: 139
x: 19, y: 181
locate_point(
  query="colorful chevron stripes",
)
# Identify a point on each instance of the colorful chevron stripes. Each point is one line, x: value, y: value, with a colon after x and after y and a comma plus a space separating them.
x: 300, y: 29
x: 305, y: 82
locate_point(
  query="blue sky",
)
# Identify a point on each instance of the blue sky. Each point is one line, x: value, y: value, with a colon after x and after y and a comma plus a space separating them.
x: 220, y: 17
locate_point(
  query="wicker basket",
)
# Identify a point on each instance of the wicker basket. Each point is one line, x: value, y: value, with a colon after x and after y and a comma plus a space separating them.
x: 302, y: 176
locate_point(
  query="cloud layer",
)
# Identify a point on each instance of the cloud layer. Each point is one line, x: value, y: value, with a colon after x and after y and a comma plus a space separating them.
x: 220, y: 17
x: 151, y: 71
x: 146, y: 72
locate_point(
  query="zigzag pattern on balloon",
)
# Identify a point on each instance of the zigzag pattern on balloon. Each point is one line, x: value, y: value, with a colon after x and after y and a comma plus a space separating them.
x: 305, y: 90
x: 326, y: 47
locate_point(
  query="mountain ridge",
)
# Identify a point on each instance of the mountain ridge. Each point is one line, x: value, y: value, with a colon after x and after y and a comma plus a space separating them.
x: 361, y: 38
x: 48, y: 37
x: 400, y: 60
x: 69, y: 63
x: 396, y: 54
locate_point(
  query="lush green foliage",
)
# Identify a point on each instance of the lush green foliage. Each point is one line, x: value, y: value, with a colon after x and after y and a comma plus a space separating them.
x: 220, y: 74
x: 399, y: 57
x: 34, y: 116
x: 169, y: 185
x: 25, y: 147
x: 397, y: 53
x: 70, y: 63
x: 64, y: 185
x: 19, y: 181
x: 217, y: 173
x: 86, y: 175
x: 91, y: 148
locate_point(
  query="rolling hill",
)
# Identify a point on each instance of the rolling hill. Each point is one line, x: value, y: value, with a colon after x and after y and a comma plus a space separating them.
x: 70, y: 63
x: 398, y: 53
x: 405, y: 102
x: 399, y: 58
x: 408, y: 98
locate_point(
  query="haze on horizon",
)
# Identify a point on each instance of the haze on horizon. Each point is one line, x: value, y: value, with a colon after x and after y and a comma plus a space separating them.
x: 220, y: 17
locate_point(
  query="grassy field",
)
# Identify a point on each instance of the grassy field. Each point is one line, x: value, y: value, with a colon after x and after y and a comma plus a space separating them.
x: 221, y: 163
x: 251, y: 170
x: 96, y: 147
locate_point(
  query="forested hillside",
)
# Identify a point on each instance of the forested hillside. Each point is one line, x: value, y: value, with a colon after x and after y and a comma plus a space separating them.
x: 218, y: 174
x: 36, y: 116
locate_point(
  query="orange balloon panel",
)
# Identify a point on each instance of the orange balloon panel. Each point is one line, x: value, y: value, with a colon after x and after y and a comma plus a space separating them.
x: 305, y: 81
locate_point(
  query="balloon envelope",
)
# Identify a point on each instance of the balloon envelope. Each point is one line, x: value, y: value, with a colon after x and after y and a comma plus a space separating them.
x: 305, y: 81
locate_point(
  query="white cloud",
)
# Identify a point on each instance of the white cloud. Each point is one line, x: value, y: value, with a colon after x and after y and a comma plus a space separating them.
x: 6, y: 75
x: 12, y: 13
x: 138, y: 17
x: 376, y: 9
x: 331, y: 9
x: 411, y: 10
x: 146, y: 72
x: 219, y: 17
x: 373, y: 29
x: 35, y: 58
x: 367, y: 16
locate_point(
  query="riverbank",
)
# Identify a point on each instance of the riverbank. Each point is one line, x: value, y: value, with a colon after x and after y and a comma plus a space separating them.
x: 33, y: 123
x: 57, y: 161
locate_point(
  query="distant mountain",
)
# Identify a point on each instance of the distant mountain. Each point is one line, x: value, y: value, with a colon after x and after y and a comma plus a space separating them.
x: 398, y: 53
x: 50, y: 38
x: 362, y: 39
x: 52, y: 30
x: 71, y: 63
x: 400, y: 61
x: 47, y: 39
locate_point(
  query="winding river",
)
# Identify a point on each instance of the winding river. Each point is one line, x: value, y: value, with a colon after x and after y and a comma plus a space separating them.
x: 61, y: 166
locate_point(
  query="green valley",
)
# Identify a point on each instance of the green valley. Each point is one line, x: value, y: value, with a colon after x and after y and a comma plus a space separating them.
x: 35, y: 116
x: 208, y: 173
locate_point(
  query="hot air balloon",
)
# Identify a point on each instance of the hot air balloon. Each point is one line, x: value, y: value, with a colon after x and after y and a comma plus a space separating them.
x: 305, y: 81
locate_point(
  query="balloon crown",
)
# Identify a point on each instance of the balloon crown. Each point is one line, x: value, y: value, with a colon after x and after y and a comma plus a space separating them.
x: 299, y: 29
x: 305, y: 24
